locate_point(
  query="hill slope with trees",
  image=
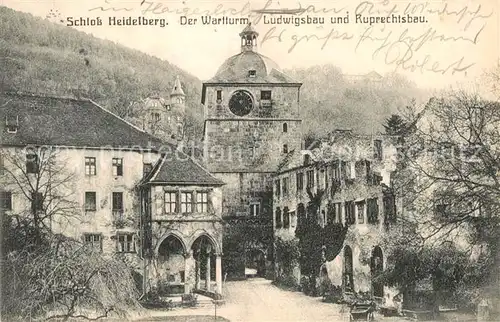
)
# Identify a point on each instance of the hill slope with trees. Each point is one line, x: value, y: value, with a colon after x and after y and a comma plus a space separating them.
x: 37, y: 55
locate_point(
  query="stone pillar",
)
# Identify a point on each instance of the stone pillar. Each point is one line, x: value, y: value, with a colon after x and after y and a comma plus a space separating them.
x: 207, y: 274
x: 218, y: 273
x: 342, y: 212
x: 197, y: 273
x: 188, y: 258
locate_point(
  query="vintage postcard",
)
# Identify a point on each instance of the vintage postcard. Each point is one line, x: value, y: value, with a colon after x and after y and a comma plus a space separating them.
x: 241, y: 160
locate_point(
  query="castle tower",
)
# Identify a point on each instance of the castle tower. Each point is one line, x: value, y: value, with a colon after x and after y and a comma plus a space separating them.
x: 177, y: 112
x: 252, y: 121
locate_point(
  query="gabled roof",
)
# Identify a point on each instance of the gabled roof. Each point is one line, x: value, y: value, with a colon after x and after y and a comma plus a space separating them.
x: 58, y: 121
x: 179, y: 169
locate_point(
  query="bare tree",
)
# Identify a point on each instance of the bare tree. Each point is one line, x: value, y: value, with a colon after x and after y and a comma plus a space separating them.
x: 448, y: 180
x: 45, y: 274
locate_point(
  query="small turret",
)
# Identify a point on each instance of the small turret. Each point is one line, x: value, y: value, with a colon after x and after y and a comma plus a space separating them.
x: 249, y: 38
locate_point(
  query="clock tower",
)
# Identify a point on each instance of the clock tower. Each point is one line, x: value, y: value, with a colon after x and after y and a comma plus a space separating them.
x: 252, y: 122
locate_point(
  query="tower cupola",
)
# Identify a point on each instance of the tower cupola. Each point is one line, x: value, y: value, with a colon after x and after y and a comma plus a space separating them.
x: 249, y: 38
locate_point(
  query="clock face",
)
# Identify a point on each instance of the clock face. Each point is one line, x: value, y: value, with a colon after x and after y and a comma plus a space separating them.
x: 240, y: 103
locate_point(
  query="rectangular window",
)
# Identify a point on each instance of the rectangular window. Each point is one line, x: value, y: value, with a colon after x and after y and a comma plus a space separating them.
x: 31, y: 163
x: 90, y: 201
x: 277, y: 188
x: 146, y: 169
x: 36, y: 201
x: 372, y: 211
x: 360, y: 207
x: 90, y: 166
x: 349, y: 213
x: 202, y: 201
x: 186, y: 202
x: 93, y: 241
x: 359, y: 169
x: 219, y: 95
x: 326, y: 177
x: 117, y: 167
x: 300, y: 181
x: 6, y: 200
x: 265, y: 95
x: 126, y: 243
x: 389, y: 209
x: 170, y: 202
x: 310, y: 178
x: 286, y: 184
x: 255, y: 209
x: 117, y: 205
x: 285, y: 148
x: 344, y: 170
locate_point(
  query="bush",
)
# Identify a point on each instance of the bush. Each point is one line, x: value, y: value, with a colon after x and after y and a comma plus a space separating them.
x: 66, y: 280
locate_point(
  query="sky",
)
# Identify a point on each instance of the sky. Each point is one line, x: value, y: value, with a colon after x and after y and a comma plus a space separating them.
x: 453, y: 45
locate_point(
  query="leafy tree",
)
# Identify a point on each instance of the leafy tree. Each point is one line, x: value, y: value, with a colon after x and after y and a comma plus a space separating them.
x: 395, y: 125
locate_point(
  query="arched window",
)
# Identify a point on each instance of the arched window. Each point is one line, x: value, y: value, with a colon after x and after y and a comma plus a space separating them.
x: 278, y: 218
x: 376, y: 268
x: 285, y: 148
x: 285, y: 127
x: 348, y: 270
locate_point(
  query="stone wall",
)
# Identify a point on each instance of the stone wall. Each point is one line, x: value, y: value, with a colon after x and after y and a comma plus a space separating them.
x: 284, y: 101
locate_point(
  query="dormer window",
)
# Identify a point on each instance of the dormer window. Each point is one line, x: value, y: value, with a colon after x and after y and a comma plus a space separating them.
x: 12, y: 124
x: 252, y: 73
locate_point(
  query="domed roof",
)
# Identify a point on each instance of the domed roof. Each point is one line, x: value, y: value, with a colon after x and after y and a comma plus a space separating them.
x: 239, y: 69
x: 249, y: 66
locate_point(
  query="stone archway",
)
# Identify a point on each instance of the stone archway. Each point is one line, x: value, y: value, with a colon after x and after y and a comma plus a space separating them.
x: 208, y: 264
x: 255, y: 259
x: 171, y: 265
x: 376, y: 268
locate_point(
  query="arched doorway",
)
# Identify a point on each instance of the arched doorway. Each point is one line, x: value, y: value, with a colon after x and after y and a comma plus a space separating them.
x: 348, y: 270
x: 377, y: 267
x: 255, y: 262
x: 207, y: 264
x: 171, y: 266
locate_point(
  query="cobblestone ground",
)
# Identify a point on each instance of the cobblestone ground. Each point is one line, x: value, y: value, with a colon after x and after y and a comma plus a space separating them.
x: 257, y: 300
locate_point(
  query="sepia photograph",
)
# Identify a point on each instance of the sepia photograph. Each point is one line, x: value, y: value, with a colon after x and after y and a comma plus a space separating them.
x: 250, y: 160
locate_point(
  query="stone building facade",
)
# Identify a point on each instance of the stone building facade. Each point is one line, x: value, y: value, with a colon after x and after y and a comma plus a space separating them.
x: 110, y: 180
x: 354, y: 172
x: 252, y: 120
